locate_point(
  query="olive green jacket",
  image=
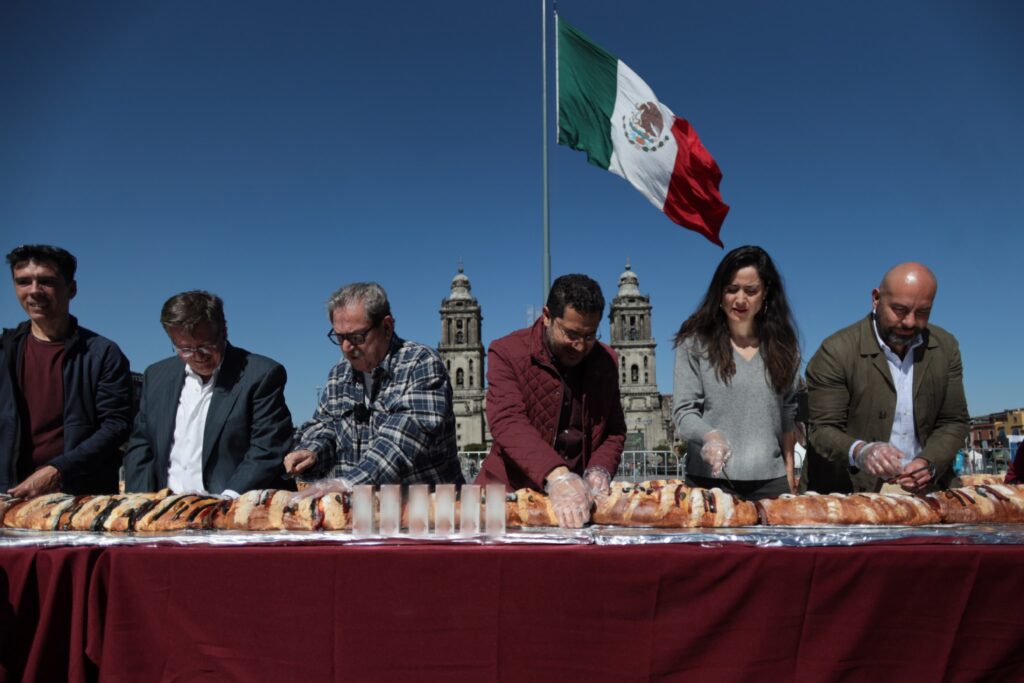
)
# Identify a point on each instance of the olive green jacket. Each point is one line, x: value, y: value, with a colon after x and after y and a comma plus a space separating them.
x: 851, y: 396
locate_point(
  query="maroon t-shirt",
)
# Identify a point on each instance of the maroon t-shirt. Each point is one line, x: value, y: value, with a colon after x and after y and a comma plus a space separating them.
x: 42, y: 386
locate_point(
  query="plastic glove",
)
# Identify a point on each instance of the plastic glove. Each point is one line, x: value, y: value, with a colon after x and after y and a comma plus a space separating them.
x: 599, y: 482
x: 322, y: 488
x: 570, y: 499
x: 881, y: 459
x: 716, y: 451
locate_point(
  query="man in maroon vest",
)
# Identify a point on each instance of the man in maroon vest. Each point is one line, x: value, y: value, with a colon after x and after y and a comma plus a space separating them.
x: 553, y: 404
x: 65, y: 392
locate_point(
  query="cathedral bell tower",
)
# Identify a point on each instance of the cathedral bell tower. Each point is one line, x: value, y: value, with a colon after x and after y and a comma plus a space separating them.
x: 630, y: 322
x: 462, y: 352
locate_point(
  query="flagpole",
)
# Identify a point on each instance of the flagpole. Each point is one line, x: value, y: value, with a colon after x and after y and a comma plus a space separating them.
x: 544, y: 143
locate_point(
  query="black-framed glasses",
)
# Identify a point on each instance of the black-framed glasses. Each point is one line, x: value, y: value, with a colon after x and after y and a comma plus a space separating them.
x: 353, y: 338
x: 204, y: 351
x: 576, y: 337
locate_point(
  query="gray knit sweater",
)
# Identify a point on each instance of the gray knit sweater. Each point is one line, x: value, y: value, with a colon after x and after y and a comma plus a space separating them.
x: 747, y: 411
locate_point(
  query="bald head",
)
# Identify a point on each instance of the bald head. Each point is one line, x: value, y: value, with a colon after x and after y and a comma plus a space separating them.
x: 902, y: 304
x: 910, y: 274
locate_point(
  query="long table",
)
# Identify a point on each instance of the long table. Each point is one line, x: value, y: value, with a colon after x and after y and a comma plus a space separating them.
x: 904, y: 611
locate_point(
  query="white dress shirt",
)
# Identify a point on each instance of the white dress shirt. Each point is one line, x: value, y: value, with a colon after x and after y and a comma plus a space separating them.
x: 904, y: 434
x: 185, y: 474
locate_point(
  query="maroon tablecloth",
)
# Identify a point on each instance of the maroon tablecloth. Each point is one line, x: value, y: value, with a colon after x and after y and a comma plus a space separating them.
x: 43, y: 613
x: 419, y: 612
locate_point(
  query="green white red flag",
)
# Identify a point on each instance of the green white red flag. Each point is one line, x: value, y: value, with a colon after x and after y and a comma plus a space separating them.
x: 607, y: 111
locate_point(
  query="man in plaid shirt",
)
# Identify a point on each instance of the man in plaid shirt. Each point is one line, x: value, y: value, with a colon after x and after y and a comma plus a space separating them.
x: 386, y: 415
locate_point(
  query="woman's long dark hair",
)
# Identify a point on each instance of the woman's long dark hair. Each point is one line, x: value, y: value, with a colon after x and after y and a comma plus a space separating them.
x: 773, y: 324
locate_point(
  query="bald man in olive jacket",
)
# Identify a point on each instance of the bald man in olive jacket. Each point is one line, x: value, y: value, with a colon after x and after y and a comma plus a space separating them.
x: 886, y: 396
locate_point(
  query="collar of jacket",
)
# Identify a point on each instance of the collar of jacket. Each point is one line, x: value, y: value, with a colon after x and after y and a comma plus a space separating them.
x: 23, y: 329
x: 538, y: 349
x: 869, y: 342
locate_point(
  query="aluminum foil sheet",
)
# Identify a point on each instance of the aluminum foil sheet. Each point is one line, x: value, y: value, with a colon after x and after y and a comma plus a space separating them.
x: 808, y: 536
x: 16, y: 538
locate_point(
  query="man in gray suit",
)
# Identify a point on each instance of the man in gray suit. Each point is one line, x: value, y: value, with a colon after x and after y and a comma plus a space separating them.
x: 212, y: 418
x: 886, y: 395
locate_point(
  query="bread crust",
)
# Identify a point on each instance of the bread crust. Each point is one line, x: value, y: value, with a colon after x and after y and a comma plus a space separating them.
x: 526, y: 508
x: 40, y: 513
x: 986, y: 503
x: 813, y: 509
x: 662, y: 503
x: 179, y: 512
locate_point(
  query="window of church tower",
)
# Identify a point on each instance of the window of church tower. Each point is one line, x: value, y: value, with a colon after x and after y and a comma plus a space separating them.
x: 634, y: 373
x: 459, y: 377
x: 647, y: 378
x: 645, y: 362
x: 623, y: 377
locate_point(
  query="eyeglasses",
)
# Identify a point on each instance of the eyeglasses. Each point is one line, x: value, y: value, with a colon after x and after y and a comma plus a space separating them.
x: 576, y: 337
x: 353, y: 338
x: 205, y: 351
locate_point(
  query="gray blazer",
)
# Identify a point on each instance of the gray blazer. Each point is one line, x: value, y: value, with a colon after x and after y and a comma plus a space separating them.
x: 248, y: 426
x: 850, y: 395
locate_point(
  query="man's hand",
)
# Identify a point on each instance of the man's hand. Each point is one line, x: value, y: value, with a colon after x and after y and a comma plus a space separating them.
x: 569, y: 498
x: 44, y: 480
x: 716, y: 451
x: 916, y: 476
x: 880, y: 459
x: 299, y: 461
x: 599, y: 482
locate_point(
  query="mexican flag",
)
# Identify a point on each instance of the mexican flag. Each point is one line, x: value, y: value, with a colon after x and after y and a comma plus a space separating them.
x: 607, y: 111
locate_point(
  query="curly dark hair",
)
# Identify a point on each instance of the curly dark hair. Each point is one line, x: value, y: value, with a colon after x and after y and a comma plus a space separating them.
x: 773, y: 324
x: 578, y: 291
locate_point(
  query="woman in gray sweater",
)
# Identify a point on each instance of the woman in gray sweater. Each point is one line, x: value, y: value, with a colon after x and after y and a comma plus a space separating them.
x: 736, y: 376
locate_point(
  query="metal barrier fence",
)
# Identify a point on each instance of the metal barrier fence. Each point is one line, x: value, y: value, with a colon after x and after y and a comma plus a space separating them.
x: 643, y: 465
x: 634, y: 466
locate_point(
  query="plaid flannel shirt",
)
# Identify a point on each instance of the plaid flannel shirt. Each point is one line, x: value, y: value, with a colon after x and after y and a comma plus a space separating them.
x: 409, y: 437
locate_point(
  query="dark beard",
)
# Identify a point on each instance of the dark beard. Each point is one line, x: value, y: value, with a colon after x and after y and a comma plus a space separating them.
x: 894, y: 340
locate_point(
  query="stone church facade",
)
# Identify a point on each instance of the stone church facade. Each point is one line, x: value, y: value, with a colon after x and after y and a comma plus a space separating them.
x: 629, y: 318
x: 463, y: 352
x: 648, y: 413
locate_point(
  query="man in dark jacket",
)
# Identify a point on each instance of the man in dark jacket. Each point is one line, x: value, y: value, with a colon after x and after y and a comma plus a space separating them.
x: 212, y: 417
x: 553, y: 404
x: 65, y: 392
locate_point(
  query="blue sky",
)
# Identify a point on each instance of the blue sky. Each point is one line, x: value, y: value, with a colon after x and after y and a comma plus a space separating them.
x: 272, y: 151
